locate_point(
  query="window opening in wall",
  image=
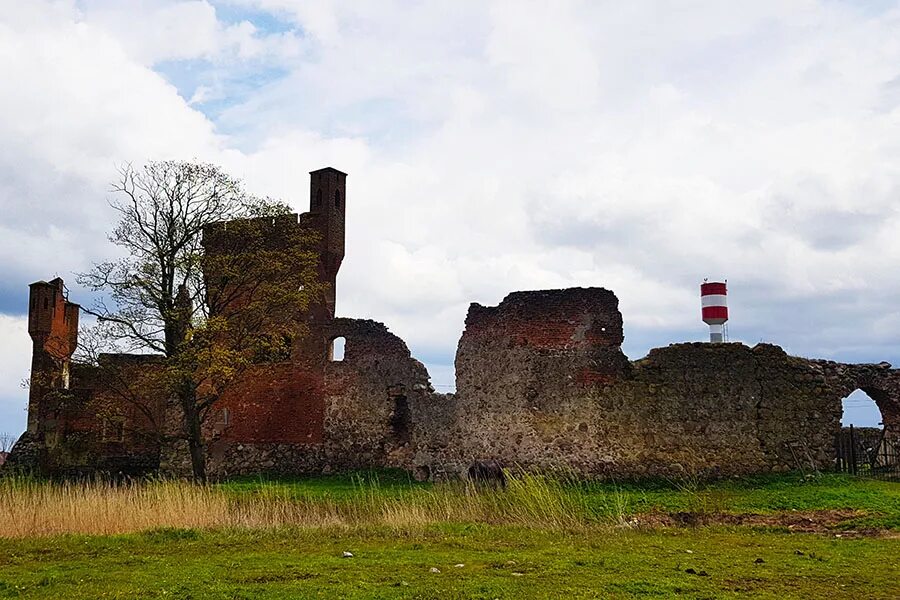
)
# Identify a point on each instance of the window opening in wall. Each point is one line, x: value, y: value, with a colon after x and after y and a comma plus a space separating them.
x: 319, y: 199
x: 46, y: 303
x: 400, y: 420
x: 337, y: 349
x: 114, y: 429
x: 226, y: 417
x: 337, y: 198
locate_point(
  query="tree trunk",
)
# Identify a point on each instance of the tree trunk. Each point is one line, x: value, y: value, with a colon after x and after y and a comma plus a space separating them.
x: 194, y: 433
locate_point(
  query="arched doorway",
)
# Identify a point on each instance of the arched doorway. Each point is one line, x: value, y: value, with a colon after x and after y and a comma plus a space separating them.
x: 860, y: 410
x: 861, y: 446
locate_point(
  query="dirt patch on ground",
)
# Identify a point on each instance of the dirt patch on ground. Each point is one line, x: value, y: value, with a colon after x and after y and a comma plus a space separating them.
x: 810, y: 521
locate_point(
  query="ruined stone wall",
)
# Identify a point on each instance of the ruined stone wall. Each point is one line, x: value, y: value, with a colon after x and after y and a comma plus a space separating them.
x: 523, y: 370
x: 105, y: 421
x: 542, y: 383
x: 728, y: 408
x: 367, y: 419
x: 879, y: 381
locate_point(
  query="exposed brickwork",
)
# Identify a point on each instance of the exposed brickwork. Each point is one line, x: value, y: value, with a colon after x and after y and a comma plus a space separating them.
x: 53, y: 327
x: 541, y: 382
x: 577, y: 318
x: 366, y: 422
x: 107, y: 419
x: 274, y: 403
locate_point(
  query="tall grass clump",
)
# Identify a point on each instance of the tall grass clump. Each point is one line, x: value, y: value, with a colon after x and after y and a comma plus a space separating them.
x: 30, y: 507
x: 527, y: 500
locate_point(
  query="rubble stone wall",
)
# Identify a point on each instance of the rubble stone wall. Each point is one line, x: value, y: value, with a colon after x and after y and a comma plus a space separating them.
x: 367, y: 419
x: 542, y: 383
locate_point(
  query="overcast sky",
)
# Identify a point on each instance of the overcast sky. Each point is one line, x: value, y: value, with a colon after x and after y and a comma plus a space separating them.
x: 491, y: 147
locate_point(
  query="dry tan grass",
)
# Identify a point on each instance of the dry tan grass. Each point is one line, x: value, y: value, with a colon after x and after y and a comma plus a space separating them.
x: 30, y: 508
x: 34, y: 508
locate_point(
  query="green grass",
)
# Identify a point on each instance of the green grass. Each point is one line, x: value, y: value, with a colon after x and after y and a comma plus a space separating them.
x: 387, y: 483
x: 540, y: 537
x: 879, y: 501
x: 499, y: 562
x: 765, y: 495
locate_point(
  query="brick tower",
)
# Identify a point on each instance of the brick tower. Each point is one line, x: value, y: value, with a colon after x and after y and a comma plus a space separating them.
x: 327, y: 202
x: 53, y: 327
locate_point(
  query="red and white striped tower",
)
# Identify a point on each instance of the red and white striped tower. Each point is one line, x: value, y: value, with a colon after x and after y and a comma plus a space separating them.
x: 715, y: 309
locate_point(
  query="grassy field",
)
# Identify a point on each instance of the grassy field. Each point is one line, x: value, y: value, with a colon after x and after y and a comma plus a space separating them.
x: 878, y: 502
x: 538, y: 538
x: 498, y: 562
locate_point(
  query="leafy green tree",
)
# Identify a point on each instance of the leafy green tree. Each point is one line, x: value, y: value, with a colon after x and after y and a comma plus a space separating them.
x: 211, y: 310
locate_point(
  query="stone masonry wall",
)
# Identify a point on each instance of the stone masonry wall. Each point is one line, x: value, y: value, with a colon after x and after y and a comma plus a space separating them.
x: 542, y: 383
x: 366, y: 420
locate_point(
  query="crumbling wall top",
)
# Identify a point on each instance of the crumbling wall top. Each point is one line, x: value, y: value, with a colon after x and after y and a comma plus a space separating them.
x: 551, y: 319
x: 367, y: 339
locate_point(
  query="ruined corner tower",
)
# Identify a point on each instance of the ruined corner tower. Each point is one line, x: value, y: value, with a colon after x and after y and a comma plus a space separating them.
x: 53, y: 327
x: 321, y: 230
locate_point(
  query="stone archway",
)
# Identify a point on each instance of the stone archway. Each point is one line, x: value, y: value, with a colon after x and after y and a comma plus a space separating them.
x: 885, y: 391
x: 860, y: 445
x: 878, y: 381
x: 860, y: 410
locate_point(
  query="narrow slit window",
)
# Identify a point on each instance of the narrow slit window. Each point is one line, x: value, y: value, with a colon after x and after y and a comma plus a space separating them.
x: 400, y: 420
x: 337, y: 198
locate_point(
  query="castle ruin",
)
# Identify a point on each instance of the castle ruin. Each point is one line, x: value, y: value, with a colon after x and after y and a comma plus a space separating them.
x: 541, y: 382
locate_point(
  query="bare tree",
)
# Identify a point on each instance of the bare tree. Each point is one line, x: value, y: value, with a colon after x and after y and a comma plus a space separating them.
x: 210, y: 315
x: 7, y: 441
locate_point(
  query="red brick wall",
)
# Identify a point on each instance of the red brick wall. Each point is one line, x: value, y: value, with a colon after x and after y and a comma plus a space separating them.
x: 120, y: 389
x: 282, y: 402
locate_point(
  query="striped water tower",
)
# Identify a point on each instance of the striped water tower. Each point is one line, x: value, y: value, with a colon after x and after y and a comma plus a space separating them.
x: 715, y: 308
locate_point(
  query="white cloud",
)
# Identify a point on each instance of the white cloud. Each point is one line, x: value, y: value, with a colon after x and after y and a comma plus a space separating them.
x: 76, y: 107
x: 498, y: 146
x: 153, y: 31
x: 15, y: 362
